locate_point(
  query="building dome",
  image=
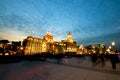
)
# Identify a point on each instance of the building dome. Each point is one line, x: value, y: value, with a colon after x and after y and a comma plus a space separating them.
x: 48, y: 37
x: 48, y: 33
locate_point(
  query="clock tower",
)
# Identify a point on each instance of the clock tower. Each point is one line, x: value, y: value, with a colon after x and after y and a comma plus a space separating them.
x: 69, y: 37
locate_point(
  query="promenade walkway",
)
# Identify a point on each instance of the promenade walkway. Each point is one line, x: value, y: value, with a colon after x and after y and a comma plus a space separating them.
x: 37, y: 70
x: 85, y: 63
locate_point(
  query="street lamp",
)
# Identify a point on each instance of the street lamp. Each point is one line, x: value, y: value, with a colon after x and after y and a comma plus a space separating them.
x: 113, y: 46
x: 109, y: 47
x: 113, y: 43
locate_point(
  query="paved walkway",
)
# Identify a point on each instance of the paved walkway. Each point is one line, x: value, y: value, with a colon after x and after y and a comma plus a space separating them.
x: 86, y: 63
x: 36, y: 70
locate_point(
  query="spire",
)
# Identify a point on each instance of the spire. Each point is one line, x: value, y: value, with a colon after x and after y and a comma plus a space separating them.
x: 69, y: 33
x: 48, y: 33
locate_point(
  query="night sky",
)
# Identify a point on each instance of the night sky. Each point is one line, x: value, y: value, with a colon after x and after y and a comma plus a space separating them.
x: 89, y: 21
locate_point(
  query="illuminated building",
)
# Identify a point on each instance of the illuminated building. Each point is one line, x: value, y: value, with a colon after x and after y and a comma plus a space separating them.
x: 50, y: 46
x: 47, y: 44
x: 91, y: 49
x: 5, y: 47
x: 48, y: 37
x: 70, y: 44
x: 1, y: 45
x: 44, y: 46
x: 32, y: 45
x: 101, y: 48
x: 69, y: 38
x: 59, y: 47
x: 80, y: 49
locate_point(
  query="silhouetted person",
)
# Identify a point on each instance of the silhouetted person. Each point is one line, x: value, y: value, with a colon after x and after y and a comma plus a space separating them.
x: 102, y: 58
x: 94, y: 58
x: 59, y: 58
x: 113, y: 59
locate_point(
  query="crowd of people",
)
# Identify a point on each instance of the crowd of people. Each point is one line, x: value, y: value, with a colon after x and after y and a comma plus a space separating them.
x: 102, y: 58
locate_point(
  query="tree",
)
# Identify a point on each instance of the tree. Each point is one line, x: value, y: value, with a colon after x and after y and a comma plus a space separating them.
x: 4, y: 41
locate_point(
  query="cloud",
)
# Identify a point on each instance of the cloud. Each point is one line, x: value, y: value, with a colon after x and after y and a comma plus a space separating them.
x: 118, y: 28
x: 106, y: 39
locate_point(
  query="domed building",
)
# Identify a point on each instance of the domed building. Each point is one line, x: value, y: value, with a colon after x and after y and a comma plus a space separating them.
x: 70, y: 44
x: 34, y: 45
x: 48, y: 37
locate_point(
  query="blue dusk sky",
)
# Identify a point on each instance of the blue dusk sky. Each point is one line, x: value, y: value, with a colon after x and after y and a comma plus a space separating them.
x: 89, y: 21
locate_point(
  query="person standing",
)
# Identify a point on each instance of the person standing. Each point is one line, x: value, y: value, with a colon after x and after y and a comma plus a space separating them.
x: 113, y: 59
